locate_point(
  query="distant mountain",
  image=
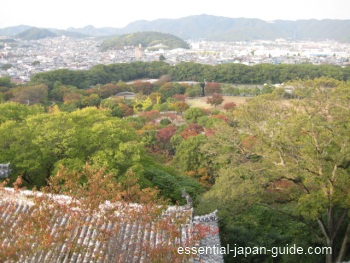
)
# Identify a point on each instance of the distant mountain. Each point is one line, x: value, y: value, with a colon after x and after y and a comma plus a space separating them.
x: 67, y: 33
x: 146, y: 39
x: 97, y: 32
x: 242, y: 29
x: 35, y: 33
x: 316, y: 29
x: 31, y: 33
x: 13, y: 30
x: 220, y: 29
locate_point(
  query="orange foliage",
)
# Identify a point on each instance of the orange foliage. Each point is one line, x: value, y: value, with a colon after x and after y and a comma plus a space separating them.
x: 202, y: 176
x: 248, y: 142
x: 221, y: 117
x: 150, y: 115
x: 193, y: 129
x: 164, y: 134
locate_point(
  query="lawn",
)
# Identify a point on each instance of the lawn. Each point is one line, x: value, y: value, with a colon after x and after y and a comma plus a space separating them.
x: 201, y: 102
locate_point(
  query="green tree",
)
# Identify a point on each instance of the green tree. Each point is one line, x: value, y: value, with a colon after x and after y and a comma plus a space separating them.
x: 92, y: 100
x: 30, y: 94
x: 296, y: 162
x: 192, y: 114
x: 18, y: 112
x: 188, y: 157
x: 180, y: 106
x: 169, y: 89
x: 5, y: 82
x: 36, y: 146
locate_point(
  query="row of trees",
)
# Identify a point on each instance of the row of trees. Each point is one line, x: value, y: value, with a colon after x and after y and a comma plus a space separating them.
x: 224, y: 73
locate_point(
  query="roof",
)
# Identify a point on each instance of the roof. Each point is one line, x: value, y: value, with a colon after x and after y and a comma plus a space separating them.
x: 4, y: 170
x: 60, y: 230
x: 125, y: 93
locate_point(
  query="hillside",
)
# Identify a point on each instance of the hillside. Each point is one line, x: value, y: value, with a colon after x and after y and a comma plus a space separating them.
x: 97, y: 32
x: 13, y: 30
x: 242, y: 29
x: 214, y: 28
x: 66, y: 33
x: 35, y: 34
x: 146, y: 39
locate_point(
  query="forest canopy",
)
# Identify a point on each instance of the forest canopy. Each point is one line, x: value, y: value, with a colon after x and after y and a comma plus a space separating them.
x: 188, y: 71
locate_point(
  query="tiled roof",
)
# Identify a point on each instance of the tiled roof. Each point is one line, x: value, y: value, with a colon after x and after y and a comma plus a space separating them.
x: 67, y: 233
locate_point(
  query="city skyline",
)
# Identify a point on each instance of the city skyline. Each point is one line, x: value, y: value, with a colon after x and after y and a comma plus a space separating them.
x: 63, y: 14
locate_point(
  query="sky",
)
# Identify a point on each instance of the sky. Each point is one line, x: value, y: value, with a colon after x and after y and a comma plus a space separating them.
x: 62, y: 14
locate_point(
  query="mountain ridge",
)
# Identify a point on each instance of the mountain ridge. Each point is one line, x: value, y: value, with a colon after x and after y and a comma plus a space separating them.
x: 146, y: 38
x: 219, y: 28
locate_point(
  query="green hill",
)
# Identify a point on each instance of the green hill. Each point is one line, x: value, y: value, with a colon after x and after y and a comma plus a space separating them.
x: 35, y: 34
x: 241, y: 29
x: 146, y: 39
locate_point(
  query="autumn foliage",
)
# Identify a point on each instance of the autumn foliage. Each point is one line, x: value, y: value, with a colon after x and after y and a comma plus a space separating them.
x: 58, y: 219
x: 215, y: 100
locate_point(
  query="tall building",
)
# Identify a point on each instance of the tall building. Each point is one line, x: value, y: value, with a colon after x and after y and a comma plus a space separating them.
x: 138, y: 52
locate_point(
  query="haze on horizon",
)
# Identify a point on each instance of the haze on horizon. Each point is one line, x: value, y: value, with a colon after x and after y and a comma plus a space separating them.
x: 104, y: 13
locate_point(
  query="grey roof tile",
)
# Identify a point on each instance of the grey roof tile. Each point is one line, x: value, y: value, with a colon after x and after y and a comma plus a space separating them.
x: 81, y: 236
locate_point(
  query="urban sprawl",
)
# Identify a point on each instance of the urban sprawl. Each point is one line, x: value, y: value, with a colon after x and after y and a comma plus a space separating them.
x: 20, y: 59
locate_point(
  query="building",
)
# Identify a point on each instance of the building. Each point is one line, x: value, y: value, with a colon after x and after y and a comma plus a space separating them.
x: 4, y: 170
x: 138, y: 52
x: 69, y: 233
x: 126, y: 95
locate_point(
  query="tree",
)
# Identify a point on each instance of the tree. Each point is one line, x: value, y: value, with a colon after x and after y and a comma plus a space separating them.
x: 180, y: 106
x: 151, y: 115
x: 193, y: 91
x: 212, y: 88
x: 92, y: 100
x: 5, y: 82
x: 192, y: 114
x: 164, y: 134
x: 143, y: 87
x: 180, y: 97
x: 109, y: 89
x: 18, y: 112
x: 297, y: 162
x: 188, y: 157
x: 169, y: 89
x: 36, y: 146
x: 30, y: 94
x: 230, y: 106
x: 59, y: 91
x: 192, y: 129
x: 156, y: 97
x: 215, y: 100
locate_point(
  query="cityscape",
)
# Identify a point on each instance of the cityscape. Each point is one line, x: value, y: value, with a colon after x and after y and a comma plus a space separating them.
x: 20, y: 59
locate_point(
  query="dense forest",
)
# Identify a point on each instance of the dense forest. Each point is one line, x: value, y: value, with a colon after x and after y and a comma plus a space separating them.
x: 187, y: 71
x: 146, y: 39
x: 276, y: 167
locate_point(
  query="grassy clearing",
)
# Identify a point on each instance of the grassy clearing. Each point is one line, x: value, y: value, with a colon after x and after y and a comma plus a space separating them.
x: 201, y: 102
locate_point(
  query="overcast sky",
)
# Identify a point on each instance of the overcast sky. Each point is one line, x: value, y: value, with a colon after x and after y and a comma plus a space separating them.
x: 66, y: 13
